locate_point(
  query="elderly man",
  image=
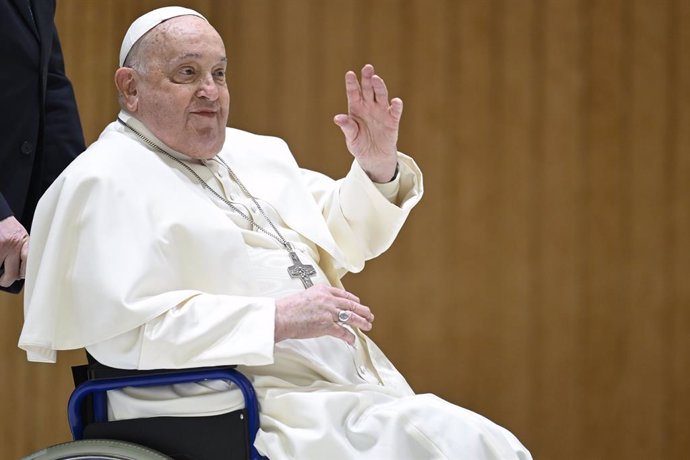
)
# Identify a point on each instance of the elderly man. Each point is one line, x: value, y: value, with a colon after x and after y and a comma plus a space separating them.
x: 176, y: 242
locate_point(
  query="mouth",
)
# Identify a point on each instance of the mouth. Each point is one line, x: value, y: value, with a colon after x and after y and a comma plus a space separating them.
x: 207, y: 113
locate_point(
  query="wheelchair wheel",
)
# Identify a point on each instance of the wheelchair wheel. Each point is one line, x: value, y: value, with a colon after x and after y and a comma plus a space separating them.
x: 97, y: 449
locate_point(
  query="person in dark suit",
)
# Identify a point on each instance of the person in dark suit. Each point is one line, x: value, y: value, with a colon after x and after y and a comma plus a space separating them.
x: 40, y: 133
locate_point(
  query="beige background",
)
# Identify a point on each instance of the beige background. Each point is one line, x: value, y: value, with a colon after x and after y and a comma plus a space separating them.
x: 544, y: 279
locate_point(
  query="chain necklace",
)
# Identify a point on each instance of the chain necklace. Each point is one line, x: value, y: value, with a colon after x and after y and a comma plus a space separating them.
x: 298, y: 269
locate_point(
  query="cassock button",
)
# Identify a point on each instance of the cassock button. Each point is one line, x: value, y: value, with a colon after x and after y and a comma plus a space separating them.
x: 27, y: 147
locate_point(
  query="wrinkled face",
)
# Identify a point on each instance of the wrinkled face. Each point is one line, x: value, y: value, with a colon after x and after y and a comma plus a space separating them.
x: 181, y: 93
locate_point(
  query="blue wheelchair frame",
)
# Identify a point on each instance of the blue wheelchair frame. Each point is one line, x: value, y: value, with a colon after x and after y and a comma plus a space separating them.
x: 97, y: 389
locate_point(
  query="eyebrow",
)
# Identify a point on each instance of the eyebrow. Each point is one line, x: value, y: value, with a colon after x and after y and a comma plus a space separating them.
x: 184, y: 57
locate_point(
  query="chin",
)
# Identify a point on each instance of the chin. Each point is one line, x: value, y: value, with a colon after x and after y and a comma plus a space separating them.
x: 200, y: 154
x: 203, y: 146
x: 204, y: 151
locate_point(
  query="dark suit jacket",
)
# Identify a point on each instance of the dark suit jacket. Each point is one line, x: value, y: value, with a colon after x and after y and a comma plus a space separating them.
x: 40, y: 132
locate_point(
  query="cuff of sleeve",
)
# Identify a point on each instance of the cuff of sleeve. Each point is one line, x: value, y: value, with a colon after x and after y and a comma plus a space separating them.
x: 390, y: 189
x: 5, y: 210
x: 38, y: 353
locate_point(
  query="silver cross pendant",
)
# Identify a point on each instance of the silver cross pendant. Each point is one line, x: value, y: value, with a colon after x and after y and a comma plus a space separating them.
x: 301, y: 271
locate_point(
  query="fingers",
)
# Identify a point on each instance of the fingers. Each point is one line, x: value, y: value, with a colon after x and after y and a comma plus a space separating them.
x: 358, y: 316
x: 367, y: 83
x: 352, y: 88
x: 14, y: 266
x: 13, y: 237
x: 11, y: 266
x: 24, y: 257
x: 360, y: 321
x: 314, y: 313
x: 342, y: 333
x: 380, y: 91
x: 371, y: 89
x: 343, y: 293
x: 361, y: 311
x: 396, y: 108
x: 346, y: 301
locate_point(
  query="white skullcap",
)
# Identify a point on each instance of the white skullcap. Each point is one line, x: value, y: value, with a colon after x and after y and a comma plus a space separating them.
x: 147, y: 22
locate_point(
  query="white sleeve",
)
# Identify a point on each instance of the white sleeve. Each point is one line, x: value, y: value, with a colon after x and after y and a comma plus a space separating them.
x: 390, y: 190
x: 363, y: 219
x: 206, y: 330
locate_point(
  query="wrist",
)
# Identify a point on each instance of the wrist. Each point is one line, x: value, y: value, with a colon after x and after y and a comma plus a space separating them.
x: 382, y: 176
x: 395, y: 173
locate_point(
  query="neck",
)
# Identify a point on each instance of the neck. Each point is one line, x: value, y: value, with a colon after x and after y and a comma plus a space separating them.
x: 144, y: 134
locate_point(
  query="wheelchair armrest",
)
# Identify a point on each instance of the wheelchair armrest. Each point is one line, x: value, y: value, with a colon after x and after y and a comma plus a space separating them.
x: 156, y: 378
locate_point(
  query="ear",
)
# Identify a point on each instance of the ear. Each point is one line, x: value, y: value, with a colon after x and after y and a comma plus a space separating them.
x: 126, y: 81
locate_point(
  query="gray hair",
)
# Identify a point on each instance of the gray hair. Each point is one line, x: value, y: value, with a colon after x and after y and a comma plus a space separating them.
x: 136, y: 58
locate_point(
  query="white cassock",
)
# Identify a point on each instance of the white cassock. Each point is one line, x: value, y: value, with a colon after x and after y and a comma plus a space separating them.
x: 131, y: 258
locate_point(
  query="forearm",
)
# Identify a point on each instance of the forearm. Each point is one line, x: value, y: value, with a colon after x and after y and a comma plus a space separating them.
x: 374, y: 213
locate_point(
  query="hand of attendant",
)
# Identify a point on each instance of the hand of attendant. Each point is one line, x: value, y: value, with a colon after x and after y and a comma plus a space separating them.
x: 14, y: 247
x: 314, y: 313
x: 371, y: 124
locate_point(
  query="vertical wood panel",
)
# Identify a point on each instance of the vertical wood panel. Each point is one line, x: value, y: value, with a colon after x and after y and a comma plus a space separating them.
x: 608, y: 216
x: 543, y: 279
x: 422, y: 33
x: 291, y: 111
x: 513, y: 272
x: 648, y: 313
x: 559, y: 219
x: 678, y: 401
x: 471, y: 194
x: 251, y: 40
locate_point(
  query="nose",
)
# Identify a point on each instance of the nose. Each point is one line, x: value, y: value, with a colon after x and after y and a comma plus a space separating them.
x: 208, y: 89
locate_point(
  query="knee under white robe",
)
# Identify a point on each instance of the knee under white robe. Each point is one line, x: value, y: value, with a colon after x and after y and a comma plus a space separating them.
x: 189, y: 284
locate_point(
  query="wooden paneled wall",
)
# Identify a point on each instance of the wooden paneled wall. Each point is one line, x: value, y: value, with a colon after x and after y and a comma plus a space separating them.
x: 544, y: 281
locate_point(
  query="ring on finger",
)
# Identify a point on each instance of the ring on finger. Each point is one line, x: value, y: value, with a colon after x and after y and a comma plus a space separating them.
x: 344, y: 316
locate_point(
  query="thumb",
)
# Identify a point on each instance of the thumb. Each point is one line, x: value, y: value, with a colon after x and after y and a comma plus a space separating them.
x: 347, y: 125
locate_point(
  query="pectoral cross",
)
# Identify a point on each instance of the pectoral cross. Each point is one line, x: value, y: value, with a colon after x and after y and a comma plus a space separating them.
x: 301, y: 271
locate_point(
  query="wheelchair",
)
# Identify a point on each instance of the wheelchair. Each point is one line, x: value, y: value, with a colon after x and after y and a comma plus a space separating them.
x: 155, y: 438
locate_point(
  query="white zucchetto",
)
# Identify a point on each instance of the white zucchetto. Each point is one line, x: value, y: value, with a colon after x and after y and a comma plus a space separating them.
x: 147, y: 22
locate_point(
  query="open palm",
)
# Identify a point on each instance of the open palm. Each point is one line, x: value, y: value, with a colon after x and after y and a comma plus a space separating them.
x: 371, y: 124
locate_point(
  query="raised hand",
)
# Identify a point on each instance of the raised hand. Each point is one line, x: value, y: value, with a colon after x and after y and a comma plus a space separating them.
x: 371, y: 124
x: 314, y: 313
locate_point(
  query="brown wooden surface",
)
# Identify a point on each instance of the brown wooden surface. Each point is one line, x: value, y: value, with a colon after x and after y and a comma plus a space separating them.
x: 544, y: 279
